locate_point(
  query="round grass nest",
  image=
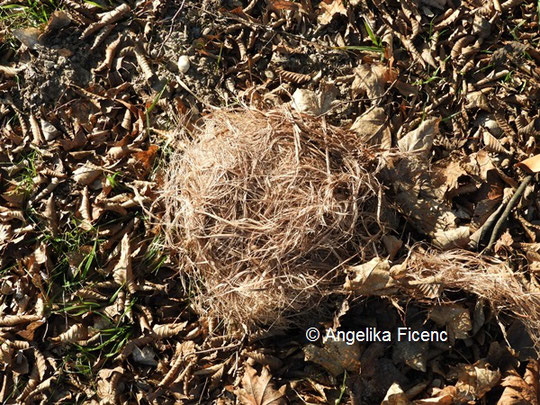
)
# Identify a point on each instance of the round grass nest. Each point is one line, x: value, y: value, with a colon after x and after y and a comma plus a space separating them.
x: 263, y: 208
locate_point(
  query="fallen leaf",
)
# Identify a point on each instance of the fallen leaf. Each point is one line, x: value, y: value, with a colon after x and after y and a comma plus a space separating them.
x: 86, y: 174
x: 336, y: 356
x: 259, y: 390
x: 420, y: 139
x: 519, y: 390
x: 370, y: 278
x: 395, y: 396
x: 372, y: 127
x: 455, y: 317
x: 306, y: 101
x: 369, y: 79
x: 329, y: 9
x: 122, y: 272
x: 530, y: 165
x: 504, y: 242
x: 28, y: 36
x: 413, y: 354
x: 475, y: 380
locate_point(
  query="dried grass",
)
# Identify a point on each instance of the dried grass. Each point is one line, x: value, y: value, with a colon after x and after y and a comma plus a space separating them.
x: 262, y: 209
x: 486, y: 277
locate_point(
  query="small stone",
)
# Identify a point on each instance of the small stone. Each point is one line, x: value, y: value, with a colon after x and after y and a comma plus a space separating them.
x: 183, y: 64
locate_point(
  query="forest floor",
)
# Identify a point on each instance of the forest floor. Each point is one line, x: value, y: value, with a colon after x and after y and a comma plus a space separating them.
x: 92, y: 308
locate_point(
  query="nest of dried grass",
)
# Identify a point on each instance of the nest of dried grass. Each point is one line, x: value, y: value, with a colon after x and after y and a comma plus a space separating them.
x: 262, y: 209
x: 505, y: 290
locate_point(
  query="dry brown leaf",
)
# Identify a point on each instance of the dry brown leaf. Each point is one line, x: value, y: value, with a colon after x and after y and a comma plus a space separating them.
x: 530, y: 165
x: 266, y: 360
x: 455, y: 317
x: 51, y: 215
x: 168, y: 330
x: 259, y: 390
x: 443, y: 397
x: 107, y: 384
x: 451, y: 238
x: 143, y: 63
x: 372, y: 127
x: 493, y: 144
x: 107, y: 18
x: 143, y: 160
x: 475, y: 380
x: 329, y: 8
x: 519, y: 390
x: 370, y: 278
x: 395, y: 396
x: 73, y: 334
x: 369, y: 79
x: 336, y: 356
x: 477, y: 99
x: 306, y: 101
x: 28, y: 36
x: 86, y: 174
x: 505, y: 242
x: 123, y: 273
x: 420, y: 139
x: 183, y: 352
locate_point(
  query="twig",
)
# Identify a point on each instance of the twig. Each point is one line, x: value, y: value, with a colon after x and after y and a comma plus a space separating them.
x: 172, y: 26
x: 506, y: 212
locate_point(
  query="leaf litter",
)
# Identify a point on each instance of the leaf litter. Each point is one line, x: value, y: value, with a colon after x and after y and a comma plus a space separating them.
x: 92, y: 98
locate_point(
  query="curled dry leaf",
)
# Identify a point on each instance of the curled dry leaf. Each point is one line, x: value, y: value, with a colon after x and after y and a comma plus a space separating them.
x: 110, y: 53
x: 475, y: 380
x: 36, y: 130
x: 107, y: 18
x: 86, y: 174
x: 11, y: 320
x: 184, y: 351
x: 168, y: 330
x: 519, y: 390
x: 259, y: 390
x: 107, y: 384
x: 123, y: 273
x: 74, y: 334
x: 530, y: 165
x: 143, y: 63
x: 493, y: 144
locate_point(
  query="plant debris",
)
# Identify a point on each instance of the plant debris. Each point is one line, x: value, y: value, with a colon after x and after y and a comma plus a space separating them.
x: 428, y: 111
